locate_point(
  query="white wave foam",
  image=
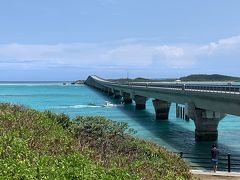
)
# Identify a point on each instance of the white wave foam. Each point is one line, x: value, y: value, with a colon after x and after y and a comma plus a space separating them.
x: 84, y: 106
x: 79, y: 106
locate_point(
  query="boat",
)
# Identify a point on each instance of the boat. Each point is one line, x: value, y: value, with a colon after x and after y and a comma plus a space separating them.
x: 107, y: 104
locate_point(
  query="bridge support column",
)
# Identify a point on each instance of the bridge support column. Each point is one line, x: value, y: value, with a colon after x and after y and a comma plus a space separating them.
x: 140, y: 102
x: 117, y: 94
x: 161, y: 108
x: 127, y: 98
x: 110, y: 93
x: 177, y: 111
x: 206, y: 123
x: 105, y: 90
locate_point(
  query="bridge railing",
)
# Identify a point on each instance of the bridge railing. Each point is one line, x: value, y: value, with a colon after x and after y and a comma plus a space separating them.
x: 233, y: 89
x: 226, y: 162
x: 217, y: 89
x: 214, y: 88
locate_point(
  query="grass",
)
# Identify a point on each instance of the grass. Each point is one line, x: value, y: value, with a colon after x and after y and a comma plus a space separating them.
x: 45, y: 145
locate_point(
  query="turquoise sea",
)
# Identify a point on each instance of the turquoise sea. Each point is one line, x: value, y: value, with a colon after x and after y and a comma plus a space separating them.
x: 175, y: 134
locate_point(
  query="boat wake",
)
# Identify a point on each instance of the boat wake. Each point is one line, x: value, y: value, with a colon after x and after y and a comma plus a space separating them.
x: 84, y: 106
x: 80, y: 106
x: 90, y: 105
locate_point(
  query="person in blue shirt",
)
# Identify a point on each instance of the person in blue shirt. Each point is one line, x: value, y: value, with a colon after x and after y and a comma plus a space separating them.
x: 214, y: 154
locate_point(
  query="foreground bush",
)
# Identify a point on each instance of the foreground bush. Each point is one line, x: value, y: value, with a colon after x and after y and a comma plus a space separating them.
x: 45, y: 145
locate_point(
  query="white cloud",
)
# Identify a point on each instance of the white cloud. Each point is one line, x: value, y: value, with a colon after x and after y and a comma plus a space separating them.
x: 227, y: 45
x: 171, y: 52
x: 173, y: 56
x: 133, y: 55
x: 121, y: 54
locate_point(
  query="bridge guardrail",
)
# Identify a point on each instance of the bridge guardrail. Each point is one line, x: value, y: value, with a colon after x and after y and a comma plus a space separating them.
x: 226, y: 162
x: 215, y: 88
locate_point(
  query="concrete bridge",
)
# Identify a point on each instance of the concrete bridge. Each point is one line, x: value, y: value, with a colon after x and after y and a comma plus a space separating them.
x: 205, y: 104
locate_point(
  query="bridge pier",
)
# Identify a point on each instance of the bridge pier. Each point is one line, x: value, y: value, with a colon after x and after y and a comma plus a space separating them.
x: 140, y: 102
x: 105, y: 90
x: 117, y: 94
x: 110, y: 92
x: 180, y: 112
x: 207, y: 103
x: 161, y: 108
x: 206, y: 123
x: 127, y: 98
x: 177, y: 111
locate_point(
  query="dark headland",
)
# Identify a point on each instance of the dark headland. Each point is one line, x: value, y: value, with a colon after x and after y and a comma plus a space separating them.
x: 78, y: 82
x: 212, y: 77
x: 192, y: 77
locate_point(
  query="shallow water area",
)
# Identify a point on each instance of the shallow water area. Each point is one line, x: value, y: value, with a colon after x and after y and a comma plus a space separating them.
x: 175, y: 134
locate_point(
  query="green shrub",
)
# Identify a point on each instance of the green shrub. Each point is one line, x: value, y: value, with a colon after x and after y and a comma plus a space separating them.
x: 46, y: 145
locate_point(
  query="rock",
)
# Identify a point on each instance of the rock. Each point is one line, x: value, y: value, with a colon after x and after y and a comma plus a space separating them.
x: 78, y: 82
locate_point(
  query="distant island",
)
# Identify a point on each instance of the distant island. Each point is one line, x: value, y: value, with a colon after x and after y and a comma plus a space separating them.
x: 192, y: 77
x: 212, y: 77
x: 78, y: 82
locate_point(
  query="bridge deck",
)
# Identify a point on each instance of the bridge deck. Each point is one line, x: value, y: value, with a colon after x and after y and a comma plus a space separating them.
x: 224, y: 98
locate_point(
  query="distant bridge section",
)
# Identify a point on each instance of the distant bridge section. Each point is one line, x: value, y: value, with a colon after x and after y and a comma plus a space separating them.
x: 206, y: 104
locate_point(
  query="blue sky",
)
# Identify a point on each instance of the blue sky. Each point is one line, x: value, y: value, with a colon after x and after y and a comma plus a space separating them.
x: 70, y: 39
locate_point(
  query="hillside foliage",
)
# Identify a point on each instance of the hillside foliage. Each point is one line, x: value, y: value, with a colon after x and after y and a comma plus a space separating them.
x: 46, y: 145
x: 206, y: 77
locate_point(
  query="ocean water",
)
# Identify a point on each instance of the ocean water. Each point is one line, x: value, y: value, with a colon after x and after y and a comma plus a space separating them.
x: 175, y: 134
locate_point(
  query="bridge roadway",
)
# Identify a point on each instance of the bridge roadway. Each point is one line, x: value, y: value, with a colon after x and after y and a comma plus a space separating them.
x: 205, y: 104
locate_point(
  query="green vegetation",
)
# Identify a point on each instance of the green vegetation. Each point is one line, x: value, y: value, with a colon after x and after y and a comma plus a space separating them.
x: 45, y: 145
x: 212, y: 77
x: 139, y: 79
x: 193, y: 77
